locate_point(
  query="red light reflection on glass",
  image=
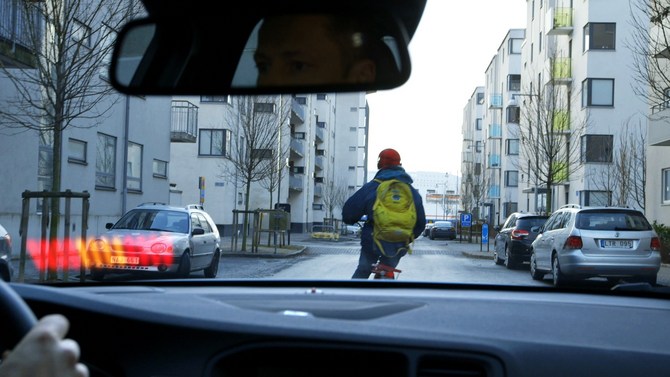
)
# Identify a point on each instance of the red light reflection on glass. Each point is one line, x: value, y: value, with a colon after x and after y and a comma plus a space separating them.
x: 128, y: 251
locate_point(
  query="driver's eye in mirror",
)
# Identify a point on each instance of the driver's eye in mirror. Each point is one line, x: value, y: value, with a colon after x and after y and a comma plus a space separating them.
x: 280, y: 53
x: 317, y: 49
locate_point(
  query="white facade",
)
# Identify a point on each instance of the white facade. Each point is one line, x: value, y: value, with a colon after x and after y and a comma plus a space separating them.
x: 472, y: 160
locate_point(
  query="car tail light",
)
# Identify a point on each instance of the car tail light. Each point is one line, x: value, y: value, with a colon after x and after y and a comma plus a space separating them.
x: 655, y: 244
x: 519, y: 234
x: 573, y: 242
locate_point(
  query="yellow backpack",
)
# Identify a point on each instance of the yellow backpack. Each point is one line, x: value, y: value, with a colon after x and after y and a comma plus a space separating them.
x: 393, y: 214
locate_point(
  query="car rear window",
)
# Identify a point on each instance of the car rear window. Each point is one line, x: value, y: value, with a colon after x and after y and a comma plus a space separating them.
x: 611, y: 220
x: 526, y: 223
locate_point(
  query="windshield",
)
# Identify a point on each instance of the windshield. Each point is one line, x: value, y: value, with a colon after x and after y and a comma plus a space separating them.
x: 521, y: 109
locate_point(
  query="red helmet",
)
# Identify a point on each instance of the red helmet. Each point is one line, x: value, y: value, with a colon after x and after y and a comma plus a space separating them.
x: 388, y: 158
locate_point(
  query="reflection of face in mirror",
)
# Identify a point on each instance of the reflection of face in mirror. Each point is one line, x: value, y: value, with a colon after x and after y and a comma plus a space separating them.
x: 312, y: 49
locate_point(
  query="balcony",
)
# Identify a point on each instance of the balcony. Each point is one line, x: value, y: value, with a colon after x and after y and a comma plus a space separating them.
x: 318, y: 190
x: 495, y: 131
x: 319, y: 134
x: 184, y: 122
x: 16, y: 42
x: 494, y: 192
x: 559, y: 21
x: 319, y: 162
x: 561, y: 121
x: 298, y: 147
x: 296, y: 182
x: 495, y: 101
x: 297, y: 111
x: 659, y: 132
x: 561, y: 70
x: 494, y: 161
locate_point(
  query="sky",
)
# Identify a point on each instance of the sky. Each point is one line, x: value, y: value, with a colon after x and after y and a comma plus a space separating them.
x: 453, y: 46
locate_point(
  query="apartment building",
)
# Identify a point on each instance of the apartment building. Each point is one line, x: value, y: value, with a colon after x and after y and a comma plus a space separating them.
x: 500, y: 122
x: 472, y: 185
x: 118, y: 151
x: 576, y: 84
x: 319, y: 147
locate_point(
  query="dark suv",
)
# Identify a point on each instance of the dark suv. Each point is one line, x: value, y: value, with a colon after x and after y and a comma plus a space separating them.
x: 512, y: 244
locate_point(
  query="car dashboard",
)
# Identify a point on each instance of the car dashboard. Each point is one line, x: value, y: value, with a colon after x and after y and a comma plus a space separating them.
x: 276, y: 328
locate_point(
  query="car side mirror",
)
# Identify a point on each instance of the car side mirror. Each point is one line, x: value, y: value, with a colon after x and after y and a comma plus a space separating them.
x: 198, y: 232
x: 109, y: 226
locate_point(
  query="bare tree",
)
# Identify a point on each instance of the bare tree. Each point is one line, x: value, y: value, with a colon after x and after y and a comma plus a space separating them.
x: 56, y: 73
x: 625, y: 178
x: 650, y: 45
x: 550, y: 148
x: 253, y: 159
x: 334, y: 195
x: 278, y: 169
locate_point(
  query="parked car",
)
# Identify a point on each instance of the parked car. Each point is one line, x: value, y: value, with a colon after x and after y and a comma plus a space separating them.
x: 158, y: 238
x: 354, y: 230
x: 426, y: 231
x: 5, y: 254
x: 442, y: 229
x: 511, y: 245
x: 580, y: 243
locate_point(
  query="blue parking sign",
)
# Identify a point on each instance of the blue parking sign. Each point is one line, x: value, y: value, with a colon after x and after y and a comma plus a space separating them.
x: 466, y: 219
x: 485, y: 233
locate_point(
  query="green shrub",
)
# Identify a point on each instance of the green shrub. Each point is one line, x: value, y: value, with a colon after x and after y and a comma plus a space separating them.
x: 663, y: 232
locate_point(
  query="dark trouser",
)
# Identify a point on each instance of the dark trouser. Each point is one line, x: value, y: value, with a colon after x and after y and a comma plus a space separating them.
x: 369, y: 257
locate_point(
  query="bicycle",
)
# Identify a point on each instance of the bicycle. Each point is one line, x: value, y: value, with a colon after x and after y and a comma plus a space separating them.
x: 383, y: 271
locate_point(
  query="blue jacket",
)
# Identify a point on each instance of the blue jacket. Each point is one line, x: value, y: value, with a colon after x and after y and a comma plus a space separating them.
x: 360, y: 204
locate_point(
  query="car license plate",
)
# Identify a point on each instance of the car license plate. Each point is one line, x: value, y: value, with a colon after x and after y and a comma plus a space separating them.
x: 125, y: 260
x: 616, y: 244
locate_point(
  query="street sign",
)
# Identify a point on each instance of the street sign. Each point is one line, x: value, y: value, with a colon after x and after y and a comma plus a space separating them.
x: 485, y: 233
x: 466, y: 220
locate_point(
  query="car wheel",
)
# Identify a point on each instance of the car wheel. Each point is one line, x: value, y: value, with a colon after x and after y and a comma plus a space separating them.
x: 510, y: 263
x: 184, y: 266
x: 534, y: 272
x: 213, y: 268
x: 560, y: 280
x: 432, y: 237
x: 97, y: 274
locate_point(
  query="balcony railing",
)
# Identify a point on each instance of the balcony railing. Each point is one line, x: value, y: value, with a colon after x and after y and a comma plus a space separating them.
x: 561, y: 70
x: 495, y: 101
x: 298, y: 147
x: 559, y: 21
x: 319, y: 162
x: 298, y: 110
x: 17, y: 40
x: 318, y: 189
x: 184, y: 124
x: 494, y: 191
x: 296, y: 182
x: 495, y: 131
x: 494, y: 161
x: 561, y: 121
x: 319, y: 134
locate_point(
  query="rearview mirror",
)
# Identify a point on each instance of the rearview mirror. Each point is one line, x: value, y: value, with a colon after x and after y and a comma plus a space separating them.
x: 278, y: 53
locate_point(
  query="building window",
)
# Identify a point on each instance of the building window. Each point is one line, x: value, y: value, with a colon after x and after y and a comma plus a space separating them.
x: 600, y: 36
x: 299, y: 135
x: 301, y: 100
x: 320, y: 124
x: 480, y: 98
x: 81, y: 33
x: 594, y: 198
x: 666, y: 186
x: 509, y: 208
x: 513, y: 114
x: 478, y: 146
x: 105, y: 162
x: 297, y: 169
x: 515, y: 45
x: 598, y: 92
x: 321, y: 96
x: 215, y: 99
x: 539, y: 43
x: 264, y: 107
x: 478, y: 124
x: 512, y: 147
x: 353, y: 109
x: 261, y: 154
x: 353, y: 129
x: 514, y: 82
x: 76, y: 151
x: 511, y: 178
x: 214, y: 142
x: 320, y: 152
x: 352, y: 149
x: 352, y: 168
x: 317, y: 207
x: 596, y: 148
x: 134, y: 168
x: 160, y: 168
